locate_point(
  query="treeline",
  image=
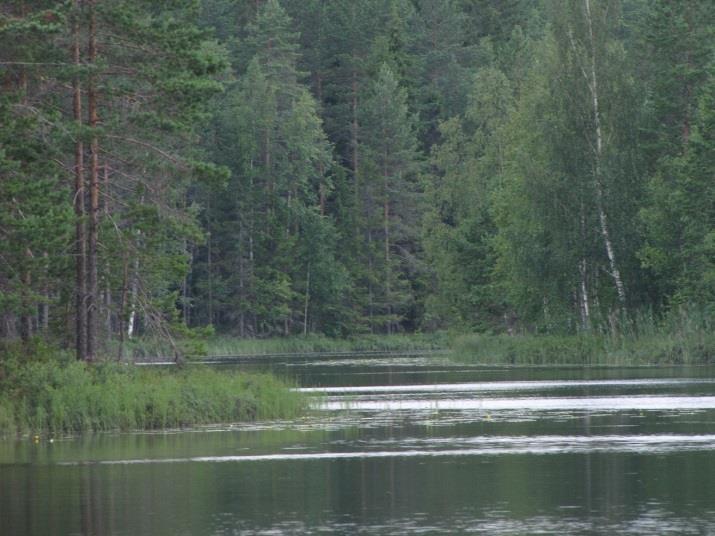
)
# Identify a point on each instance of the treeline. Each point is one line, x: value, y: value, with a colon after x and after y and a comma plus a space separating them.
x: 289, y: 167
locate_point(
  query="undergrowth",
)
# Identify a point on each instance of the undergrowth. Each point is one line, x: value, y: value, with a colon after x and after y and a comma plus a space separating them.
x: 684, y: 337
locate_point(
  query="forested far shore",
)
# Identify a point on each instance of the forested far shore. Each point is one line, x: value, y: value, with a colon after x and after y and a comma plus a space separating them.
x: 341, y: 168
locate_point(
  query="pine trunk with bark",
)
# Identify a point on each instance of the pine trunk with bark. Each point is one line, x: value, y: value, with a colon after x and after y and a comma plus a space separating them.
x: 79, y: 203
x: 92, y: 278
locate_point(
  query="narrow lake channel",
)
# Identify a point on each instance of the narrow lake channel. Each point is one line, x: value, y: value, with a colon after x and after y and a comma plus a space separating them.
x: 398, y: 445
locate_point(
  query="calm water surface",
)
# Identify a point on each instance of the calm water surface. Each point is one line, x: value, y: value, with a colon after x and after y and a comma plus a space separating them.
x: 395, y: 446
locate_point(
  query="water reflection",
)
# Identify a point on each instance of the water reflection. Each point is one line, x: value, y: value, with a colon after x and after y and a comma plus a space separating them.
x: 435, y: 449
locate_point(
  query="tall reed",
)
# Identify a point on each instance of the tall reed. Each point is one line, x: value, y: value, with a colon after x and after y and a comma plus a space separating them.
x: 56, y: 397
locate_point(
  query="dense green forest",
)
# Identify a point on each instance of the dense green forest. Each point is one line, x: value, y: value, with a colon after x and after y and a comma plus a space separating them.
x: 338, y: 167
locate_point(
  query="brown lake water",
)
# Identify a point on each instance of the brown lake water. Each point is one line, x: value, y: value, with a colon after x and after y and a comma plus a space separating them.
x: 398, y: 445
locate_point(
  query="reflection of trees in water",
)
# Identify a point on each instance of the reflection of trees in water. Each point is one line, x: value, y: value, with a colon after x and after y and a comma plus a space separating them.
x: 94, y: 519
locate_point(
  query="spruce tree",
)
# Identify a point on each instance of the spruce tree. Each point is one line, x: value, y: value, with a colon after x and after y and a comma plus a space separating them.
x: 391, y: 200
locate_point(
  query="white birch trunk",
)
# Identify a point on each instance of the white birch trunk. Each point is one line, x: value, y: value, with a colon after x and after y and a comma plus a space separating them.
x: 602, y: 217
x: 133, y: 300
x: 583, y: 288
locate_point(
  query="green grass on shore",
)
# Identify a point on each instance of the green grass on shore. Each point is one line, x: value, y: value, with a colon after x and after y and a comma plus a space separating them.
x: 61, y: 397
x: 220, y: 345
x: 682, y: 338
x: 225, y: 345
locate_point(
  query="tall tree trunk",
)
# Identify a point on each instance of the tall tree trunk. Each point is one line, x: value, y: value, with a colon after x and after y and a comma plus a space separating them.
x: 370, y: 293
x: 92, y: 280
x: 79, y: 206
x: 269, y: 177
x: 123, y: 305
x: 109, y: 311
x: 354, y: 140
x: 584, y: 304
x: 602, y: 217
x: 185, y: 312
x: 388, y: 275
x: 26, y: 326
x: 322, y: 190
x: 131, y: 326
x: 45, y: 307
x: 307, y: 301
x: 209, y: 267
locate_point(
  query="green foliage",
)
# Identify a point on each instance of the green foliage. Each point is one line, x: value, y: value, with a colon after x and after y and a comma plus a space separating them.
x: 388, y: 199
x: 35, y: 219
x: 272, y: 228
x: 459, y: 229
x: 680, y: 217
x: 262, y: 170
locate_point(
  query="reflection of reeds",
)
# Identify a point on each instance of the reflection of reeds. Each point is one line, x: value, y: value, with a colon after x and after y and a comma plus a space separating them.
x: 684, y: 336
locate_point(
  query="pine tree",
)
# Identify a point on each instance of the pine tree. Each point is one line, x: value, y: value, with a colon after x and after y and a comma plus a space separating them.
x: 34, y: 216
x: 121, y: 111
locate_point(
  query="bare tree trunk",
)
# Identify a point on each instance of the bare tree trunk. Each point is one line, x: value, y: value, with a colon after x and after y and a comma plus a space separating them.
x: 133, y: 300
x: 8, y: 330
x: 26, y: 317
x: 209, y: 267
x: 269, y: 175
x: 307, y: 300
x: 185, y: 312
x: 354, y: 143
x: 123, y: 305
x: 26, y: 326
x: 602, y: 217
x: 388, y: 275
x: 79, y: 208
x: 108, y: 301
x: 45, y: 307
x: 251, y: 256
x: 584, y: 305
x: 370, y: 293
x: 92, y: 280
x: 322, y: 194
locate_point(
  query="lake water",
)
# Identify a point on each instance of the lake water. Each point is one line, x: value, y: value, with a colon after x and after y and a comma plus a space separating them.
x: 398, y: 445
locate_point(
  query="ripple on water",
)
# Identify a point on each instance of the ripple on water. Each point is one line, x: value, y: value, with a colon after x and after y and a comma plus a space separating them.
x: 605, y: 403
x: 478, y: 387
x: 651, y: 520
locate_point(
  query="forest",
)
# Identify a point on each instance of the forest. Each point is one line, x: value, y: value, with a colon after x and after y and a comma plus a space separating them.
x: 271, y: 168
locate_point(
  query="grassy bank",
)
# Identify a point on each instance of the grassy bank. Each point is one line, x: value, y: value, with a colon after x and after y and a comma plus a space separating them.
x: 54, y: 397
x: 219, y: 345
x: 316, y: 343
x: 680, y: 339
